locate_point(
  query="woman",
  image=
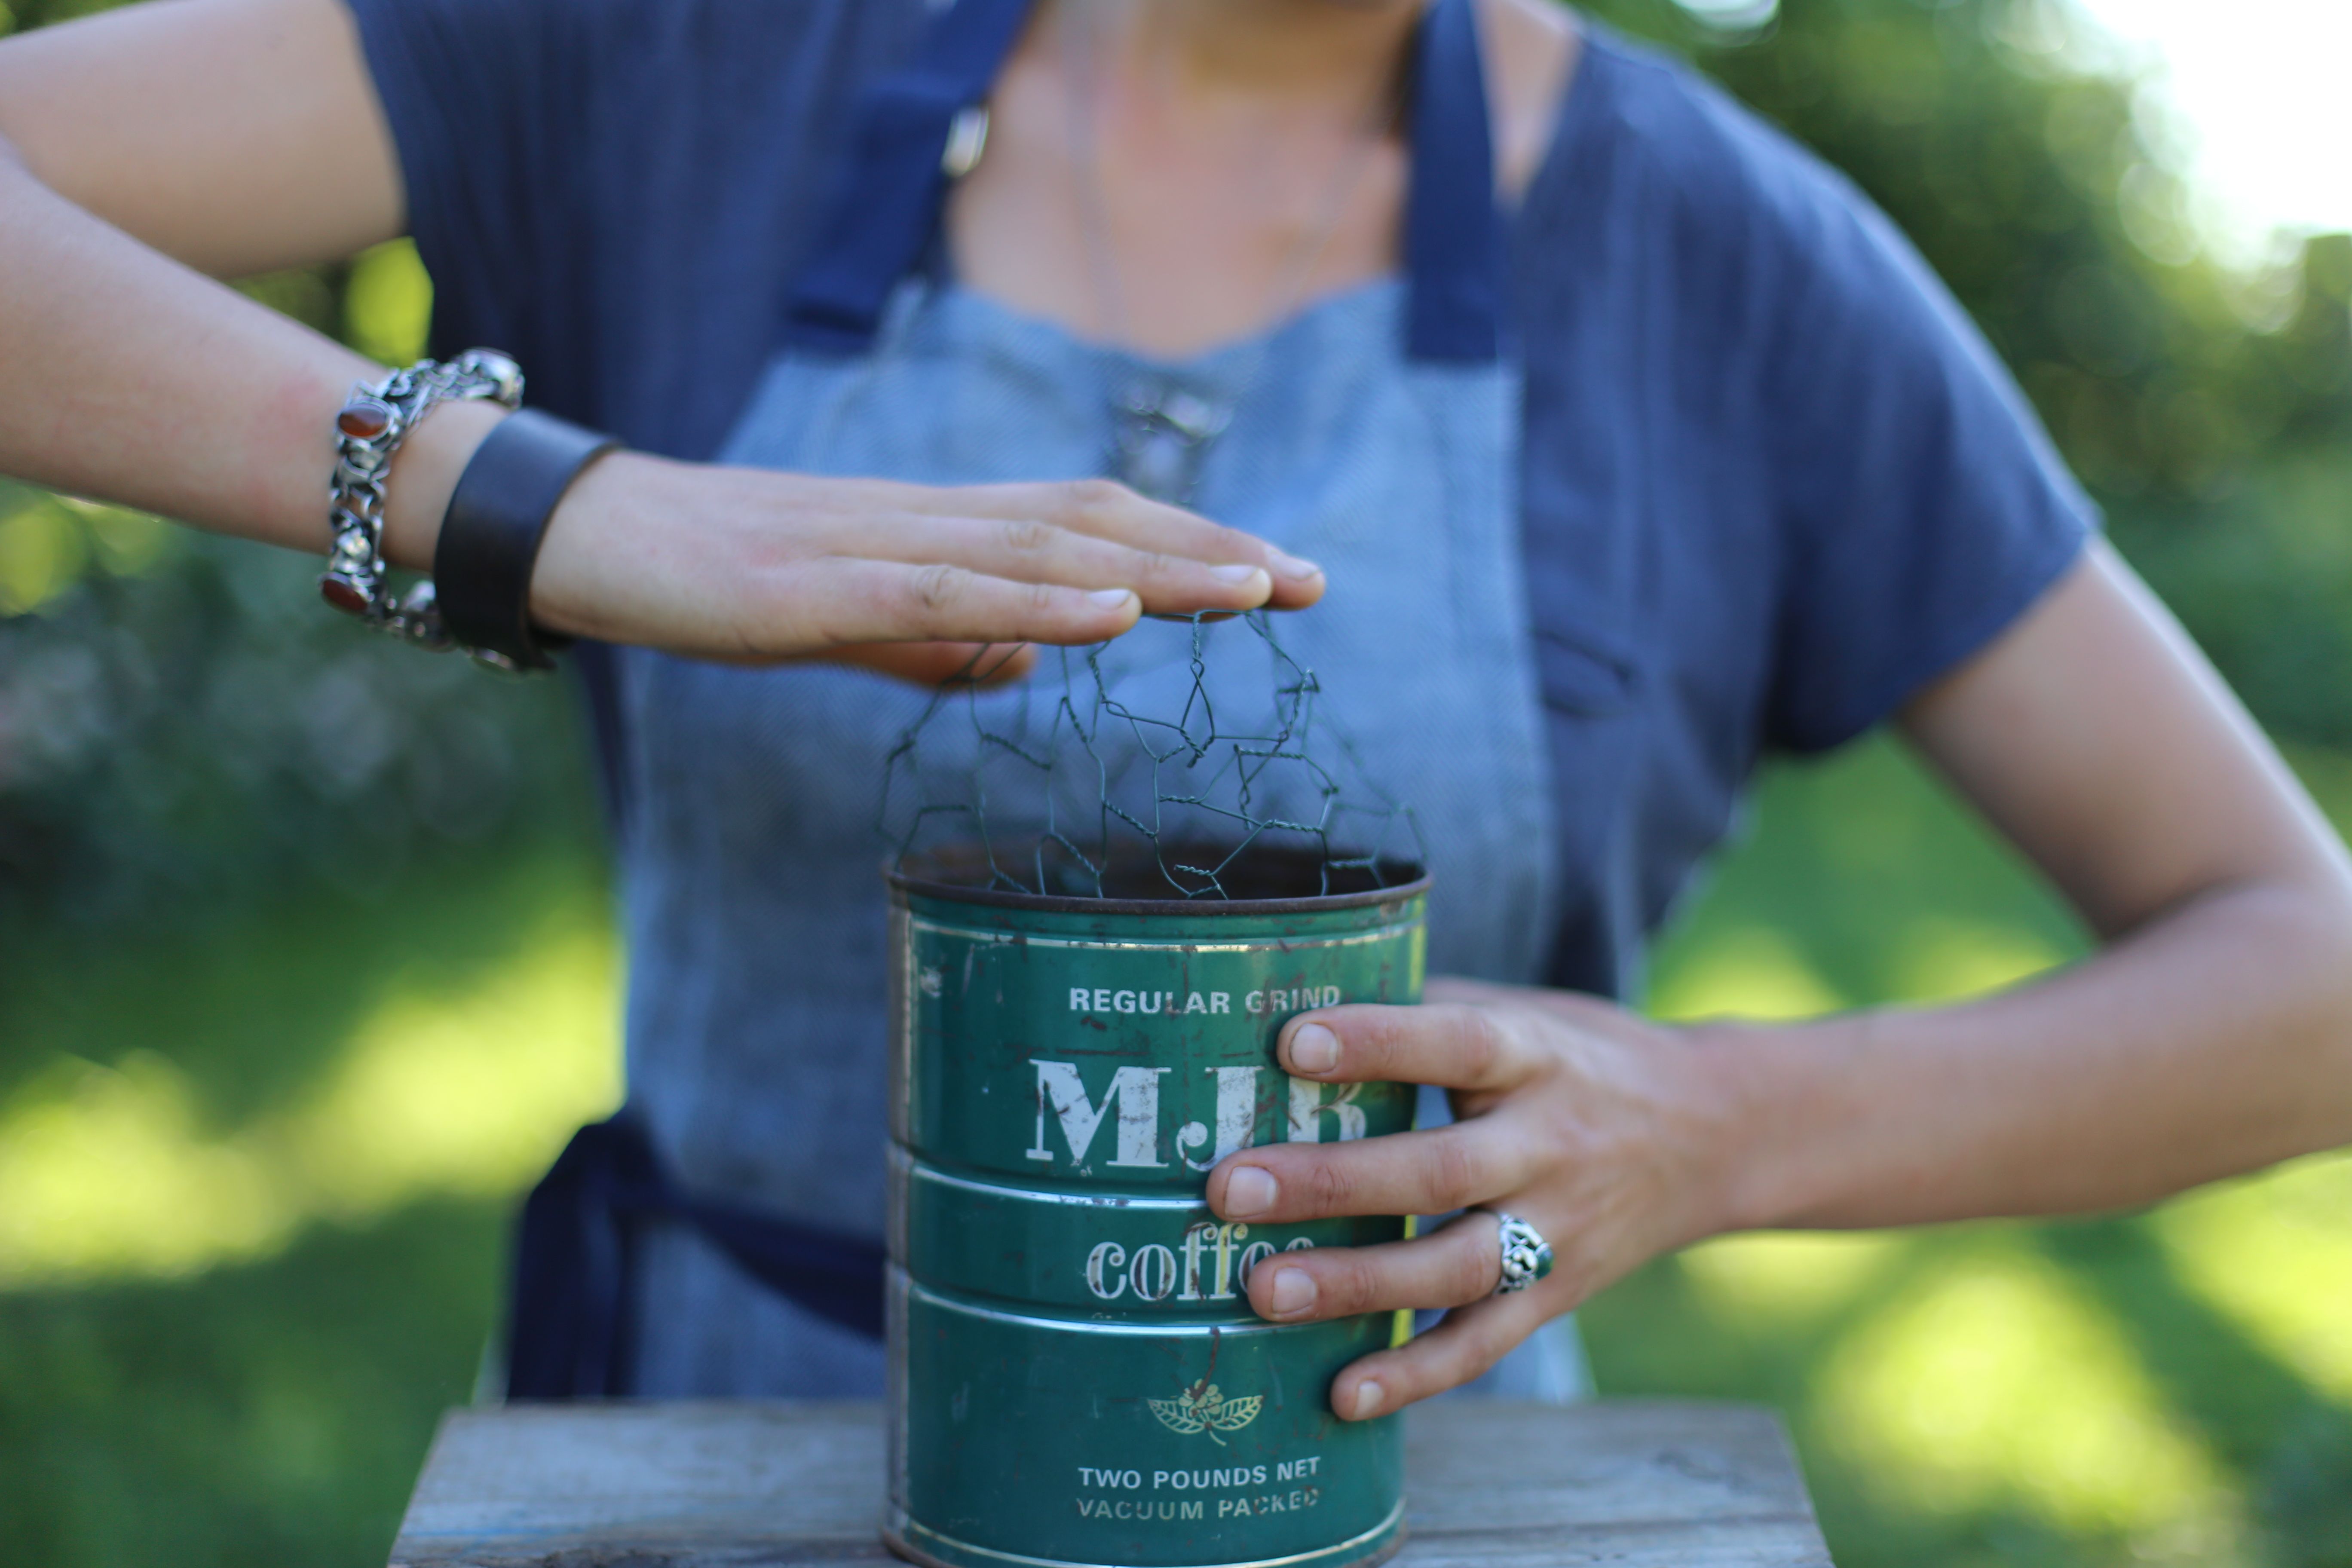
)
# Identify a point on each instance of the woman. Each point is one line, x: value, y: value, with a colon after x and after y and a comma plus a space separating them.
x: 1683, y: 458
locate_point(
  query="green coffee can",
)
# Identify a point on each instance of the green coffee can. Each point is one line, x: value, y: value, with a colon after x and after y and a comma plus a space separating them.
x: 1077, y: 1376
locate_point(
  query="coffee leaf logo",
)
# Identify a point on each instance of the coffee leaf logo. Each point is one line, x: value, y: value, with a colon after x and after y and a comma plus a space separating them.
x: 1204, y: 1409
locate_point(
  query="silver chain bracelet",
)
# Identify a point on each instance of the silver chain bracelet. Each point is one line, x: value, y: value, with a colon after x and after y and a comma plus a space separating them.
x: 373, y: 422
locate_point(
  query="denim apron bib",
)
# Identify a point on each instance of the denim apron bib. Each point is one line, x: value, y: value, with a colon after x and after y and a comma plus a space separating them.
x: 720, y: 1236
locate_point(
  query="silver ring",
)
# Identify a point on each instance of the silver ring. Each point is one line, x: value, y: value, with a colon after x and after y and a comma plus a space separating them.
x: 1527, y: 1255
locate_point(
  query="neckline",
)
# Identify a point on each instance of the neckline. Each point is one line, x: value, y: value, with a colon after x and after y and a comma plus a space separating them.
x: 1600, y: 50
x: 886, y: 205
x: 1209, y: 363
x: 1567, y: 119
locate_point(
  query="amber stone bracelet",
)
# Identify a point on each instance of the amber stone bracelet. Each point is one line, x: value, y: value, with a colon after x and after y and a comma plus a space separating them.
x: 373, y: 422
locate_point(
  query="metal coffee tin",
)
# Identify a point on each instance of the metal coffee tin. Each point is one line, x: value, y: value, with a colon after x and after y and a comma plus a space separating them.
x: 1077, y: 1378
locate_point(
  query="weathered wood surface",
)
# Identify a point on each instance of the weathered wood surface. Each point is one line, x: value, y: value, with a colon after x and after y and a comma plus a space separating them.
x: 1490, y: 1485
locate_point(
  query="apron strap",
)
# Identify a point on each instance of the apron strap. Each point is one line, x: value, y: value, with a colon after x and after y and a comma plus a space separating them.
x: 570, y: 1324
x: 888, y: 207
x: 1452, y: 235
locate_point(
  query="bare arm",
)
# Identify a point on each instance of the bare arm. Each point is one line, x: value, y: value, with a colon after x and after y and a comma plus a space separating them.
x: 232, y: 136
x: 2213, y: 1035
x: 144, y: 149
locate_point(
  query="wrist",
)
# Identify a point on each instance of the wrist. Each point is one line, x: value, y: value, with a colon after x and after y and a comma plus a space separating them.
x: 1776, y: 1096
x: 423, y: 476
x: 571, y: 591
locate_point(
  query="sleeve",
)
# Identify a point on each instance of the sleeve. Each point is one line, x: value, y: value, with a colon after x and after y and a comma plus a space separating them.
x: 1922, y: 506
x: 484, y: 100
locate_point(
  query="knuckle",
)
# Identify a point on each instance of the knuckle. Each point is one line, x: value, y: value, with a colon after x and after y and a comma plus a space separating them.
x: 1454, y: 1170
x: 1329, y: 1188
x: 937, y: 588
x: 1380, y: 1050
x: 1091, y: 498
x: 1480, y: 1349
x: 1472, y: 1269
x: 1349, y: 1286
x: 1482, y: 1045
x: 1026, y: 535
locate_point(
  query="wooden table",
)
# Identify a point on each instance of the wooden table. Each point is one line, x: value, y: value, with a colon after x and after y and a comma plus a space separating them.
x: 1496, y: 1485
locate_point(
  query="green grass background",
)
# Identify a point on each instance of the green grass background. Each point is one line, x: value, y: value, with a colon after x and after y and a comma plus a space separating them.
x: 254, y: 1180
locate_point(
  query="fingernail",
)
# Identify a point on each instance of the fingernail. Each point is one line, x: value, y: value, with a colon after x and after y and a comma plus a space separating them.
x: 1249, y: 1191
x: 1111, y: 598
x: 1314, y: 1049
x: 1292, y: 566
x: 1294, y: 1292
x: 1237, y: 573
x: 1370, y: 1396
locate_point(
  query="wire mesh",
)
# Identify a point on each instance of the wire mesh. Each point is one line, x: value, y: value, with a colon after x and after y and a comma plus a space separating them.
x: 1145, y: 772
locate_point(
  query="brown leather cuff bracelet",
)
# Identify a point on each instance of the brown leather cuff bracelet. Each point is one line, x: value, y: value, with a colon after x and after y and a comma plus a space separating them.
x: 490, y: 535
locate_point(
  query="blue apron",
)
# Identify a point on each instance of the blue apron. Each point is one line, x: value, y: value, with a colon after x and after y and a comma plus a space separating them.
x: 722, y: 1235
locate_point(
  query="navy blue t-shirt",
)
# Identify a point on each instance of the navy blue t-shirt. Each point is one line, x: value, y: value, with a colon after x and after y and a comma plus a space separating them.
x: 1772, y: 480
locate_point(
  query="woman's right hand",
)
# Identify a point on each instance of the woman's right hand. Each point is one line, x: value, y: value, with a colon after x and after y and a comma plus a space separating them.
x: 752, y: 565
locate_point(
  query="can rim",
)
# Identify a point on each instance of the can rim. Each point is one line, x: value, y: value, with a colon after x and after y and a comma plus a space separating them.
x: 902, y: 884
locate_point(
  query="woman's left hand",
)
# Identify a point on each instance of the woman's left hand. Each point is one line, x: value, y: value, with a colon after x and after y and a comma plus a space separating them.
x: 1607, y: 1132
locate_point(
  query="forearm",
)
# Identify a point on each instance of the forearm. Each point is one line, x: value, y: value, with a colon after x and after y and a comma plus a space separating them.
x: 2215, y: 1039
x: 136, y: 380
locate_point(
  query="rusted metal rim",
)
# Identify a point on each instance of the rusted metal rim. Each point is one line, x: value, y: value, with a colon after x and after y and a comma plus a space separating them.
x: 897, y: 1526
x: 949, y: 869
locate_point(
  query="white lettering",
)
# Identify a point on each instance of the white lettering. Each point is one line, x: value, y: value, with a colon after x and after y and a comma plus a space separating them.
x: 1236, y: 1118
x: 1226, y: 1236
x: 1167, y: 1004
x: 1154, y: 1266
x: 1256, y: 1253
x: 1105, y: 1262
x: 1212, y: 1263
x: 1123, y: 1508
x: 1136, y: 1091
x: 1254, y: 1000
x: 1306, y: 1103
x: 1193, y: 1236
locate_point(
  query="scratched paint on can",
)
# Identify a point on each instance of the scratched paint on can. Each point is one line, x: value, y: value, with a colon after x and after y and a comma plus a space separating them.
x: 1077, y: 1376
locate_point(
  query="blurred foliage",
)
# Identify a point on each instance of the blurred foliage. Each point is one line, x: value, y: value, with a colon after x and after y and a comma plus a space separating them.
x: 2208, y: 407
x: 305, y: 963
x: 182, y: 727
x: 2172, y: 1387
x: 231, y: 1352
x: 182, y: 724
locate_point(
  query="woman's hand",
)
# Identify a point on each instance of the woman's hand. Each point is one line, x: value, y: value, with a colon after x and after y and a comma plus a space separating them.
x: 1604, y: 1130
x: 241, y: 135
x: 741, y: 564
